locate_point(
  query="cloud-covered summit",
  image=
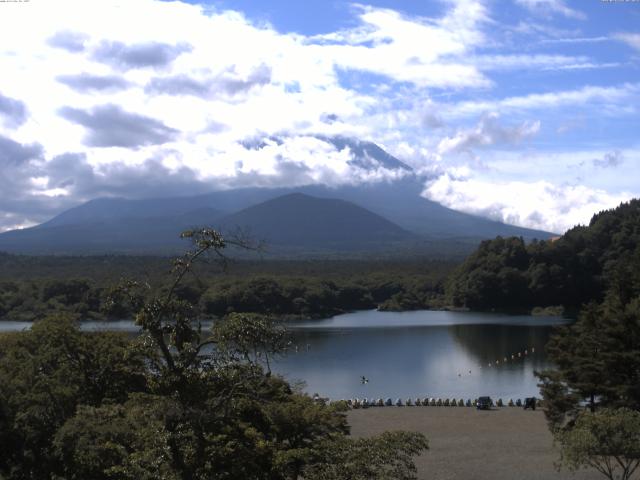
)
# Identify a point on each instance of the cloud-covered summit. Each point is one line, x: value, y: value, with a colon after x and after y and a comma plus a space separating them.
x: 482, y: 101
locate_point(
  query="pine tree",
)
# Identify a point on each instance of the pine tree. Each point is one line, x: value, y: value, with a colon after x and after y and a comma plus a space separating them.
x: 597, y: 361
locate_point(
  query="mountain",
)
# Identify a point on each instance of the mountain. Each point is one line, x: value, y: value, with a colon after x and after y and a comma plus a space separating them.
x: 300, y: 220
x: 109, y: 225
x: 402, y: 203
x: 398, y: 201
x: 367, y: 155
x: 86, y: 235
x: 364, y: 154
x: 116, y: 209
x: 294, y: 220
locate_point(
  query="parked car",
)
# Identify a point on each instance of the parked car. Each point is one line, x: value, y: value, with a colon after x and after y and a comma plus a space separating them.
x: 484, y: 403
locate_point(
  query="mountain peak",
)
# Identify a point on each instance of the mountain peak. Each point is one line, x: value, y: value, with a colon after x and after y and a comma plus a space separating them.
x: 365, y: 154
x: 303, y: 220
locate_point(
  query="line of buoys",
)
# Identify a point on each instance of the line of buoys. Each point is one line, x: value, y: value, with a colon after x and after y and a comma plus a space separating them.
x: 432, y: 402
x: 513, y: 357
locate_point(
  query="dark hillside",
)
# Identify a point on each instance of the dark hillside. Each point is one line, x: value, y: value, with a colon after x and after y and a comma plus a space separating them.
x: 576, y: 268
x: 160, y: 235
x: 305, y: 221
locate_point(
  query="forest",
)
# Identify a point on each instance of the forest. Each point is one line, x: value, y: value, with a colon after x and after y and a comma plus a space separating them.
x: 33, y: 287
x: 577, y: 268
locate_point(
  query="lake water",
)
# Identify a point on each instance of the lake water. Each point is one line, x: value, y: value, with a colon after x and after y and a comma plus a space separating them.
x: 407, y: 354
x: 423, y: 353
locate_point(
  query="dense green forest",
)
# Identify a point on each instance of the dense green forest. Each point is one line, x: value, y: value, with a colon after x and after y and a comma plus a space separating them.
x: 597, y: 359
x: 570, y: 271
x: 33, y: 287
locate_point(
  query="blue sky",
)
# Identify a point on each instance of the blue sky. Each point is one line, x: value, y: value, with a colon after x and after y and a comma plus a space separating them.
x: 524, y: 111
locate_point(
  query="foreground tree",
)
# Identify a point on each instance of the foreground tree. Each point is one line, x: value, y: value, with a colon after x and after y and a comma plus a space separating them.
x: 45, y: 374
x: 197, y: 405
x: 608, y: 440
x: 593, y: 395
x: 597, y: 361
x: 386, y: 457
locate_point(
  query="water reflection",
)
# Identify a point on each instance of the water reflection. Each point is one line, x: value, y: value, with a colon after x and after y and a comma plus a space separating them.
x: 419, y: 353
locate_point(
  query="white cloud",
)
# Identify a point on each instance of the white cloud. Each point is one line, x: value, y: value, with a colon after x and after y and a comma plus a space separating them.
x: 571, y: 166
x: 585, y: 66
x: 389, y: 44
x: 487, y: 132
x: 631, y: 39
x: 578, y: 40
x: 588, y: 95
x: 521, y: 62
x: 540, y: 205
x: 548, y: 8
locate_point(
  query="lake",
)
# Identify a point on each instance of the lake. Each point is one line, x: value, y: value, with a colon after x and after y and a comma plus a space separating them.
x: 422, y: 353
x: 408, y: 354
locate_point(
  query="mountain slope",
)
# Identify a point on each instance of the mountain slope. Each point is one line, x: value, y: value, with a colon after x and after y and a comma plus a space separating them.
x: 304, y: 221
x: 111, y: 235
x: 402, y: 203
x: 398, y: 201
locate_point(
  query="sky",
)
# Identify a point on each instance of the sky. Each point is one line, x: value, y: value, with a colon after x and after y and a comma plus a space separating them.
x: 524, y: 111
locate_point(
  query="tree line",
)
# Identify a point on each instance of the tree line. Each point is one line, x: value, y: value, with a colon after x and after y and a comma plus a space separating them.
x: 310, y: 296
x: 577, y: 268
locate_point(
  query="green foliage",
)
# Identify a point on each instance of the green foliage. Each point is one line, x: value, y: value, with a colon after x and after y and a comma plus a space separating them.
x: 175, y: 402
x: 34, y: 300
x: 493, y: 276
x: 255, y: 337
x: 45, y: 374
x: 596, y: 360
x: 608, y: 441
x: 123, y: 441
x: 387, y: 457
x: 306, y: 289
x: 294, y: 296
x: 575, y: 269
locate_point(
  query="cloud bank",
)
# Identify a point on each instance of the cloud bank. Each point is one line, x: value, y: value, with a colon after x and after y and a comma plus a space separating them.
x: 175, y: 98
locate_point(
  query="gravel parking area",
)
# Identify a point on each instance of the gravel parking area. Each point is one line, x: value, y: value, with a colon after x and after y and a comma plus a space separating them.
x: 503, y: 443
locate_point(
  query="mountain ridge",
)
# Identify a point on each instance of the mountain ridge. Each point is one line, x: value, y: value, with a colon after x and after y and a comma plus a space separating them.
x: 149, y: 225
x: 297, y: 219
